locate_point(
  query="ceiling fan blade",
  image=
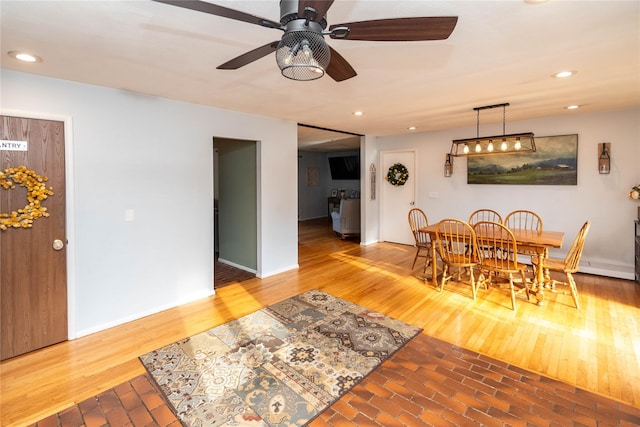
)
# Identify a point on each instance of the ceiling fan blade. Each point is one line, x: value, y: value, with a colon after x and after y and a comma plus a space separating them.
x: 249, y: 57
x: 400, y: 29
x: 225, y: 12
x: 339, y: 69
x: 321, y: 6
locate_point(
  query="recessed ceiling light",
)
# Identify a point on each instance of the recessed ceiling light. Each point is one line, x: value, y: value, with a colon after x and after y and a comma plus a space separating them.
x: 24, y: 56
x: 572, y: 107
x: 411, y: 128
x: 562, y: 74
x: 358, y: 113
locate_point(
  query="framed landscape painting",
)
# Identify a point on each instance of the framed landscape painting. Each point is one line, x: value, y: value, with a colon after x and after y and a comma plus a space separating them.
x: 555, y: 162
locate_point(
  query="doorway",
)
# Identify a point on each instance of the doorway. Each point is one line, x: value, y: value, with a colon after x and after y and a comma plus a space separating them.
x: 236, y: 204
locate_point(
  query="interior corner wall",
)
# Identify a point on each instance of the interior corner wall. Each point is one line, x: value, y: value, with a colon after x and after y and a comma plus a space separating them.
x: 603, y: 199
x: 154, y: 156
x: 312, y: 194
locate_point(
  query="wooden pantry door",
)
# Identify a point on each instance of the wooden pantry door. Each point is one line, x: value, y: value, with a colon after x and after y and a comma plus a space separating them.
x: 33, y: 265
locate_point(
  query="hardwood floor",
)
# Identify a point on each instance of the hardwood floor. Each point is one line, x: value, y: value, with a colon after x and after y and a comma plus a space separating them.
x: 596, y: 348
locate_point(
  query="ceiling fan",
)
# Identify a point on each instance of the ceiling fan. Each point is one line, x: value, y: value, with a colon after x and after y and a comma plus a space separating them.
x: 302, y: 53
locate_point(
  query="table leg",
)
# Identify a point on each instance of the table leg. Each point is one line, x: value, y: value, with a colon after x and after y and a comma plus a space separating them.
x: 434, y: 266
x: 539, y: 280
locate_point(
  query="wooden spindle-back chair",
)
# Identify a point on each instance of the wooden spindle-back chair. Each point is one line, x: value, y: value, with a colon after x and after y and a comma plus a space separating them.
x: 417, y: 220
x: 456, y: 242
x: 570, y: 264
x: 502, y: 259
x: 484, y: 215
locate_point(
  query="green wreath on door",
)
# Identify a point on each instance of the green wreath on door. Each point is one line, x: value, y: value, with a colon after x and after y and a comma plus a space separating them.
x: 397, y: 175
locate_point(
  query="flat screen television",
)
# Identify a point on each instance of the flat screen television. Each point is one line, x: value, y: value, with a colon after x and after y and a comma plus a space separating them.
x: 345, y: 167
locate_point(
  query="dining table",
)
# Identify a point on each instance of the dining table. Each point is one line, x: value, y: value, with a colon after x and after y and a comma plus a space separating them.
x: 535, y: 241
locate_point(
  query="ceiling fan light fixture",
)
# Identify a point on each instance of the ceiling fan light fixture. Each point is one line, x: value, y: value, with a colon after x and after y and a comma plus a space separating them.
x: 307, y: 20
x: 303, y: 55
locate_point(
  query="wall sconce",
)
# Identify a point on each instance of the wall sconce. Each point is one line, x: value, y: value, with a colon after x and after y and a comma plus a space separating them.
x: 448, y: 166
x: 604, y: 157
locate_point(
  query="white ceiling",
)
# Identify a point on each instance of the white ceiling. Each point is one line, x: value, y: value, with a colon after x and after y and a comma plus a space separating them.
x: 500, y: 51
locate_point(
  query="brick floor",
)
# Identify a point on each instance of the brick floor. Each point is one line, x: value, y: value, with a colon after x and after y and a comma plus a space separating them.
x: 224, y: 274
x: 433, y: 383
x: 136, y: 403
x: 427, y: 383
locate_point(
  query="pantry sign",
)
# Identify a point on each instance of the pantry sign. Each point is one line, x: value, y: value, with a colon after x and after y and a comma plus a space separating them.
x: 7, y: 145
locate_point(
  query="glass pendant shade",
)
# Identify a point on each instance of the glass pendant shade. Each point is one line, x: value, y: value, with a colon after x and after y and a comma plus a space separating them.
x: 303, y: 55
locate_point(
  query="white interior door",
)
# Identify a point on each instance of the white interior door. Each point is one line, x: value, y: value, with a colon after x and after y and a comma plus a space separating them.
x: 395, y: 202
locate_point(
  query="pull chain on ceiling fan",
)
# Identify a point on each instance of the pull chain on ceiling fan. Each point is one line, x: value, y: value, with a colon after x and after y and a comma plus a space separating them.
x: 302, y: 53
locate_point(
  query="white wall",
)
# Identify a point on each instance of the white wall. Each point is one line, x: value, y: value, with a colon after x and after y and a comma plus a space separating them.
x: 600, y: 198
x: 153, y: 155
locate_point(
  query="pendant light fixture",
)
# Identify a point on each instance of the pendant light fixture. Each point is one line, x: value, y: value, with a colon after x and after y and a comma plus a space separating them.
x: 490, y: 145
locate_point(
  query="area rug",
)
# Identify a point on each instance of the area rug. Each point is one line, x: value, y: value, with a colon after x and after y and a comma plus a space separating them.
x: 279, y: 366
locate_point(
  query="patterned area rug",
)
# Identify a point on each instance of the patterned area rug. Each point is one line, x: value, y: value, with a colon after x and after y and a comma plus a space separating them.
x: 279, y: 366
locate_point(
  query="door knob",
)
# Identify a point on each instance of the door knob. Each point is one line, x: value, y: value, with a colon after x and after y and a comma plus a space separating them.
x: 58, y: 244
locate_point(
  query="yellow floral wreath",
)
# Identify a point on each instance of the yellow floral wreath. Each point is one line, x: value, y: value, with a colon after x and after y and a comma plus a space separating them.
x: 36, y: 193
x: 397, y: 175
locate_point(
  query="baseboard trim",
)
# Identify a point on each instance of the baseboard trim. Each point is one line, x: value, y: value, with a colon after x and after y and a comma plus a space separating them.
x: 190, y: 298
x: 282, y: 270
x: 238, y: 266
x: 601, y: 267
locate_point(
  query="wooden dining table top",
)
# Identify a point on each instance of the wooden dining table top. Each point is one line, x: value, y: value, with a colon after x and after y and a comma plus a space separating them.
x: 548, y: 239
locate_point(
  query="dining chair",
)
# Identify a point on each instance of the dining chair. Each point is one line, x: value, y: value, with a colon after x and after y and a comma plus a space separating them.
x: 502, y: 259
x: 417, y: 220
x: 484, y: 215
x: 525, y: 220
x: 570, y: 264
x: 456, y: 243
